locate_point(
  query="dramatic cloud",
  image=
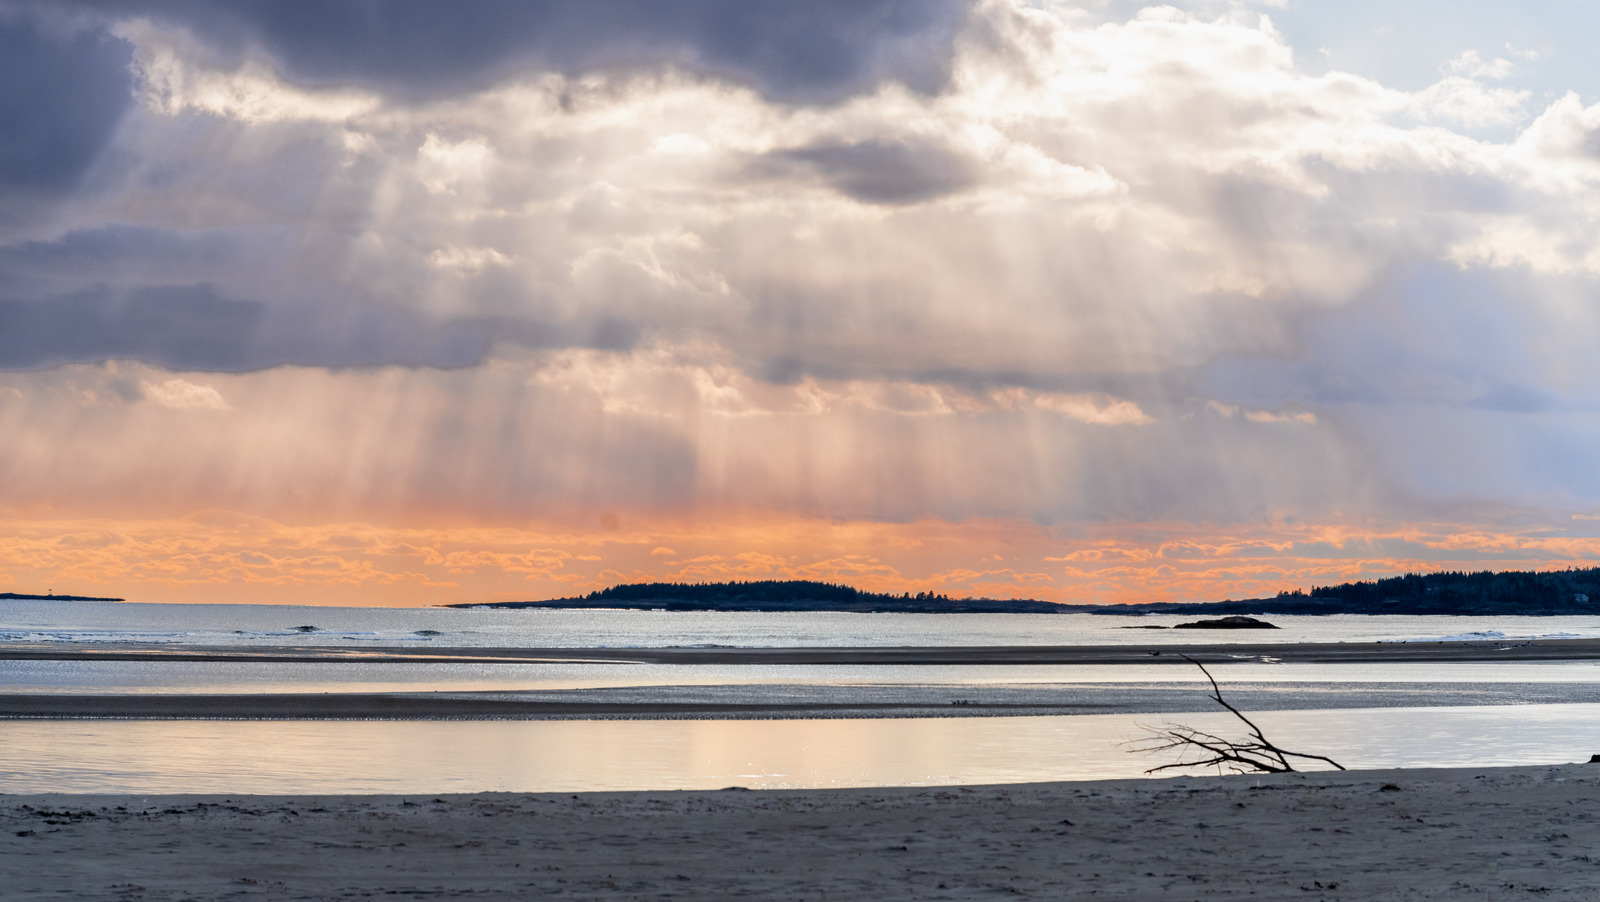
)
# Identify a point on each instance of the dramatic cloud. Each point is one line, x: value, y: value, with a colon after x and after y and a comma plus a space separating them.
x: 192, y: 328
x: 62, y: 92
x: 883, y: 262
x: 813, y: 50
x: 880, y: 172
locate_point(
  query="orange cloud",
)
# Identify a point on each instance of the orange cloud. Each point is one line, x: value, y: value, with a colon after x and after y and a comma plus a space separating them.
x: 227, y: 557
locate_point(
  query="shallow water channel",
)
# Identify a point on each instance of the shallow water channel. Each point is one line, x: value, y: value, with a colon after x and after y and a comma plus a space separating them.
x: 109, y: 756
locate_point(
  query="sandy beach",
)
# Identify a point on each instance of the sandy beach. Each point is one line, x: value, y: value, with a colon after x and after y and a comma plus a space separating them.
x: 1478, y: 833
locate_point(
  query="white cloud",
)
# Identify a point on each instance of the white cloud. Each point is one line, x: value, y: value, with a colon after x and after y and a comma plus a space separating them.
x: 1470, y: 103
x: 184, y: 395
x: 1268, y: 416
x: 1263, y: 416
x: 1472, y: 65
x: 444, y: 166
x: 1099, y: 411
x: 177, y: 78
x: 467, y: 259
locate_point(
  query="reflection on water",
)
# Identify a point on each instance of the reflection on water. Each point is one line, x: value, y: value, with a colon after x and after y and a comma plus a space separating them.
x: 571, y: 756
x: 212, y: 677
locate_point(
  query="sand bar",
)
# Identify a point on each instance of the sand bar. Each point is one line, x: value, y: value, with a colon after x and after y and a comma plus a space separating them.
x: 1185, y: 693
x: 483, y: 706
x: 1478, y: 833
x: 769, y: 701
x: 1211, y: 653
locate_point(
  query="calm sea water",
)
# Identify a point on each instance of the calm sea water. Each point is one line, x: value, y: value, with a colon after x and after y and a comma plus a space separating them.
x: 1522, y: 726
x: 573, y: 756
x: 245, y: 625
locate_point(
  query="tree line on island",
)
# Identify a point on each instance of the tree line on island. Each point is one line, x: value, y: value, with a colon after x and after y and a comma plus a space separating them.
x: 1572, y: 591
x: 50, y: 596
x: 1545, y: 592
x: 777, y: 595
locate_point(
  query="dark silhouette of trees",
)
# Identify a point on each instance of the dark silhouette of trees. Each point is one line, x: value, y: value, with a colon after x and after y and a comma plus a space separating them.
x: 765, y: 590
x: 1543, y: 592
x: 1575, y: 591
x: 1572, y: 591
x: 780, y: 595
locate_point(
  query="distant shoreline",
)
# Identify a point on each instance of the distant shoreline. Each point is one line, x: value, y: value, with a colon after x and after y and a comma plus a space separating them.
x: 1509, y: 593
x: 18, y: 596
x: 980, y: 606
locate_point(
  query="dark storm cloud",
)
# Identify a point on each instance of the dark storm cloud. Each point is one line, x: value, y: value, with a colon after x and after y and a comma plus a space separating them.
x: 879, y: 172
x: 195, y: 328
x: 62, y: 92
x: 812, y: 50
x: 121, y: 254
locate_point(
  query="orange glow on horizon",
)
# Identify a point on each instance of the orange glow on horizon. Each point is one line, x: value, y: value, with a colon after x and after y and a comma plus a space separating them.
x: 216, y: 556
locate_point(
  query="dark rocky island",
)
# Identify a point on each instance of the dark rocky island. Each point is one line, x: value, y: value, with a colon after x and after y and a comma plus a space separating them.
x: 1235, y: 622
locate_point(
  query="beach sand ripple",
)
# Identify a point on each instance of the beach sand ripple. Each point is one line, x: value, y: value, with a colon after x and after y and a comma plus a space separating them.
x: 1417, y: 834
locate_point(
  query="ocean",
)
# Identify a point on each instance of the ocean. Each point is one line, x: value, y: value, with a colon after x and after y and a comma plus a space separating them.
x: 1411, y: 714
x: 225, y: 624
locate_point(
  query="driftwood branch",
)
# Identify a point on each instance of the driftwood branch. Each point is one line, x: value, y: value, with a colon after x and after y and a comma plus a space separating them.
x: 1254, y: 755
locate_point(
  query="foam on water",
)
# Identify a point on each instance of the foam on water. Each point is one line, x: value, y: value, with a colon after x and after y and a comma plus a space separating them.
x: 1493, y: 636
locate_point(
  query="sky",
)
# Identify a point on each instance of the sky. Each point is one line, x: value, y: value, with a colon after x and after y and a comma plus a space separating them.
x: 405, y: 303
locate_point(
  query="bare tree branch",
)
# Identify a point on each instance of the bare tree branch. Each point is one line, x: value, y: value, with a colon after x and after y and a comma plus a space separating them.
x: 1255, y: 755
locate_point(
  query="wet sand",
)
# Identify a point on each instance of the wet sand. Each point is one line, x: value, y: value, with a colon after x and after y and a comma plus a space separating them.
x: 1478, y: 833
x: 775, y: 700
x: 768, y: 701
